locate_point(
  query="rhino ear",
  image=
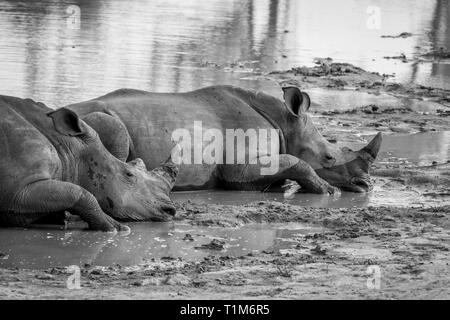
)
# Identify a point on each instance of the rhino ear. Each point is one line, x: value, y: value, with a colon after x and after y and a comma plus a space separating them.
x: 298, y: 102
x: 66, y: 122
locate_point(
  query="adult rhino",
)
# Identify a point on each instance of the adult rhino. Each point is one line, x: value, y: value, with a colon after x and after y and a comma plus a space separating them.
x: 51, y: 161
x: 133, y: 123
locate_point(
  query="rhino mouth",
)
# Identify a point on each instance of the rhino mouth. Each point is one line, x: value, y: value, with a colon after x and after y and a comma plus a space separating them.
x: 162, y: 213
x: 357, y: 185
x: 146, y: 211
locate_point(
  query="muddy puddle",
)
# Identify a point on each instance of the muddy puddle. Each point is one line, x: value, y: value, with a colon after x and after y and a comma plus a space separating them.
x: 326, y: 99
x: 421, y: 149
x: 44, y: 248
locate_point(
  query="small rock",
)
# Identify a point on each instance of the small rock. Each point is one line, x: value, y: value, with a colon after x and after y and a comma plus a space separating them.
x: 319, y: 250
x: 188, y: 237
x: 96, y: 272
x: 215, y: 244
x: 45, y: 277
x: 401, y: 35
x: 168, y: 258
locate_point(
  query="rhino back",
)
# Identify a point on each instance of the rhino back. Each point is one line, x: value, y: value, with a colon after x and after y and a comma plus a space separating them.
x: 151, y: 118
x: 26, y: 154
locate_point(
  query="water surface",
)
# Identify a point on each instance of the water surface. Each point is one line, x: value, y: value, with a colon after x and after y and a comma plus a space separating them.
x: 183, y: 45
x: 40, y: 248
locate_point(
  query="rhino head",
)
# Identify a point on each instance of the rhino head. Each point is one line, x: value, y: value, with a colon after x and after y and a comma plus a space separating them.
x: 125, y: 191
x: 341, y: 167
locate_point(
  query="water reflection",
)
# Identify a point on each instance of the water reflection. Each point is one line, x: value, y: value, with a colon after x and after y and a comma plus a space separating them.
x: 170, y: 45
x: 427, y: 148
x: 40, y: 248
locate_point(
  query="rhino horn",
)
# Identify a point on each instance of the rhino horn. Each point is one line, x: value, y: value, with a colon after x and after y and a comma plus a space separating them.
x: 372, y: 148
x: 168, y: 171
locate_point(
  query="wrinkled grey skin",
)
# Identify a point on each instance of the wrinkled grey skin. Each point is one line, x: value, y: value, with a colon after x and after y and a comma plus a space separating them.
x: 52, y: 162
x: 133, y: 123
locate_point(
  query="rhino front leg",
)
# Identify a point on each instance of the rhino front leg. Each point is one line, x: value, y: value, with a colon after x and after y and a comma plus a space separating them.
x: 249, y: 177
x: 55, y: 196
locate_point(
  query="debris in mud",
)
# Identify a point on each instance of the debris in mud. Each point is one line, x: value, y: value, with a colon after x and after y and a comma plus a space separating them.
x: 319, y: 250
x: 326, y: 67
x: 215, y: 244
x: 337, y: 84
x: 401, y: 35
x: 284, y: 270
x: 369, y: 109
x: 290, y: 189
x: 45, y: 276
x: 438, y: 194
x: 441, y: 53
x: 328, y: 74
x: 443, y: 113
x: 401, y: 57
x: 188, y: 237
x: 236, y: 66
x: 168, y: 258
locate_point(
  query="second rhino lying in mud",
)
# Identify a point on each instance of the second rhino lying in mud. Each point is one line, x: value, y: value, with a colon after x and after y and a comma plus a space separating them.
x: 52, y: 161
x: 133, y: 123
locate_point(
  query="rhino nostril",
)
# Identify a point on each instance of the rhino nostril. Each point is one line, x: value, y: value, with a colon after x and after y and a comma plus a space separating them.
x: 170, y: 210
x: 329, y: 160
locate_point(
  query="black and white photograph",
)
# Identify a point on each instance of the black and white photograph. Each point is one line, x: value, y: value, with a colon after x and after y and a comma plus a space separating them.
x: 245, y: 150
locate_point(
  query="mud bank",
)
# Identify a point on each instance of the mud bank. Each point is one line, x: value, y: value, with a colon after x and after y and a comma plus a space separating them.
x: 329, y: 74
x: 410, y: 246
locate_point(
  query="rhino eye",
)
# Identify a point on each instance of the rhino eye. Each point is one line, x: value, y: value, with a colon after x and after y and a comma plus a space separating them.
x: 129, y: 174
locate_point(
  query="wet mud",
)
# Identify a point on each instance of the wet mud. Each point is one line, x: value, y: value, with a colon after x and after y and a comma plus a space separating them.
x: 409, y: 245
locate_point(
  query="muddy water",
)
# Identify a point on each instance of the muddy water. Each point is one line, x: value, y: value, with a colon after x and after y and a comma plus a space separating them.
x: 54, y: 53
x: 420, y: 149
x: 40, y: 248
x: 331, y: 99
